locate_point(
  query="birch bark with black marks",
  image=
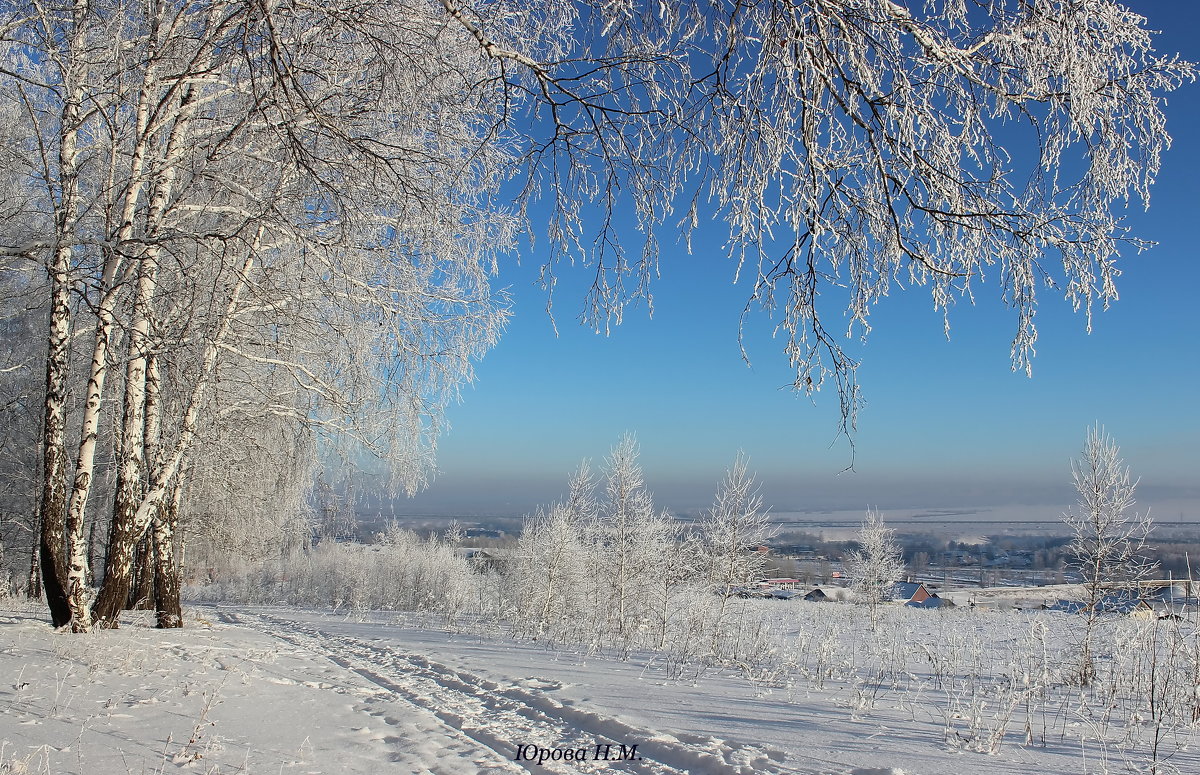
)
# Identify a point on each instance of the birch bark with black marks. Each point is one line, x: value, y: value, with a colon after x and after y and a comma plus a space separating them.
x: 52, y: 517
x: 167, y: 582
x: 111, y: 597
x: 131, y: 479
x: 33, y: 587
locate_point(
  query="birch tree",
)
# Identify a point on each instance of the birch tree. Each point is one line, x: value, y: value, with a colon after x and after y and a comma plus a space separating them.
x: 555, y: 574
x: 732, y: 531
x: 1109, y: 538
x: 631, y: 543
x: 331, y: 231
x: 877, y: 565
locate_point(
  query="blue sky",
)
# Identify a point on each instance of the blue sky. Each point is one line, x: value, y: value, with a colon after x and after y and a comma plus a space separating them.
x: 947, y: 423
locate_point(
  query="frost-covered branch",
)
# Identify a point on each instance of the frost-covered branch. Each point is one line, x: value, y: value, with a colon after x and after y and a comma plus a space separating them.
x: 846, y: 149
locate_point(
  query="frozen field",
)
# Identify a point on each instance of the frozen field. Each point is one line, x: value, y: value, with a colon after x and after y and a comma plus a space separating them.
x: 274, y: 690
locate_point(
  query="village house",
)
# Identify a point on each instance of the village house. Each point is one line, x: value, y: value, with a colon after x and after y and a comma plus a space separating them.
x: 910, y: 592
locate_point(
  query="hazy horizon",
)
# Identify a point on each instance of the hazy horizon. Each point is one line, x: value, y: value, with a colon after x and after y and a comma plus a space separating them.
x: 847, y: 494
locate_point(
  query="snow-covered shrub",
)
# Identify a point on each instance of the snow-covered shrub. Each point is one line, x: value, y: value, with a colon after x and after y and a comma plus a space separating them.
x: 686, y: 638
x: 597, y: 572
x: 611, y: 572
x: 549, y: 575
x: 400, y: 572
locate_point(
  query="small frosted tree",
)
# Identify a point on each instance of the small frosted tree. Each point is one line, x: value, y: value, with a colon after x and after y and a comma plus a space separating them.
x: 551, y: 566
x: 735, y: 526
x: 1109, y: 538
x: 877, y: 566
x: 631, y: 544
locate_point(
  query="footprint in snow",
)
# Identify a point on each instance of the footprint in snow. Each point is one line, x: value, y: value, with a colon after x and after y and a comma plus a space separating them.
x: 281, y: 681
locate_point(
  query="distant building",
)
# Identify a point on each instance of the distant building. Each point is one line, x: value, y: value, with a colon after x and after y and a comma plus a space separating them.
x: 933, y: 601
x: 910, y: 592
x: 481, y: 560
x: 780, y: 583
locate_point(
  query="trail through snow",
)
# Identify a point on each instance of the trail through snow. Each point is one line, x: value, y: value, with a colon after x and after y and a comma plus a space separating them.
x: 500, y: 718
x: 278, y: 691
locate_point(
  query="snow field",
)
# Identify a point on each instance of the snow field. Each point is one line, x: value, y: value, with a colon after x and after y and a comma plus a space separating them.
x: 295, y: 690
x: 1001, y: 688
x: 926, y: 694
x: 208, y: 699
x: 502, y: 716
x: 251, y: 692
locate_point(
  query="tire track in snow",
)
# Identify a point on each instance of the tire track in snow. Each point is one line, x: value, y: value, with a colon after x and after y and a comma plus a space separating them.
x: 501, y: 717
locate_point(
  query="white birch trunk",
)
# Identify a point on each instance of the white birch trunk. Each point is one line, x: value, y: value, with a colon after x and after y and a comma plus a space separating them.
x: 133, y: 429
x: 129, y: 484
x: 77, y: 560
x: 33, y: 588
x: 56, y: 528
x: 130, y: 488
x: 107, y: 609
x: 187, y: 431
x: 153, y: 428
x: 52, y: 507
x: 105, y: 319
x: 168, y: 611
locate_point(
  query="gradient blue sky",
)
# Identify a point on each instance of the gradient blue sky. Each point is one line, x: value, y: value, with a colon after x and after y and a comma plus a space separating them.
x: 947, y: 423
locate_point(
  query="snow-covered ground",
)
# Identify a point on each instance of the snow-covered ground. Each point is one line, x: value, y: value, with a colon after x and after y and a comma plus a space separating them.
x: 279, y: 690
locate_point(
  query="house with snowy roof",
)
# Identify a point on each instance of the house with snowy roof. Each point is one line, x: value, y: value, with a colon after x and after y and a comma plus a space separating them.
x: 911, y: 592
x: 933, y: 601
